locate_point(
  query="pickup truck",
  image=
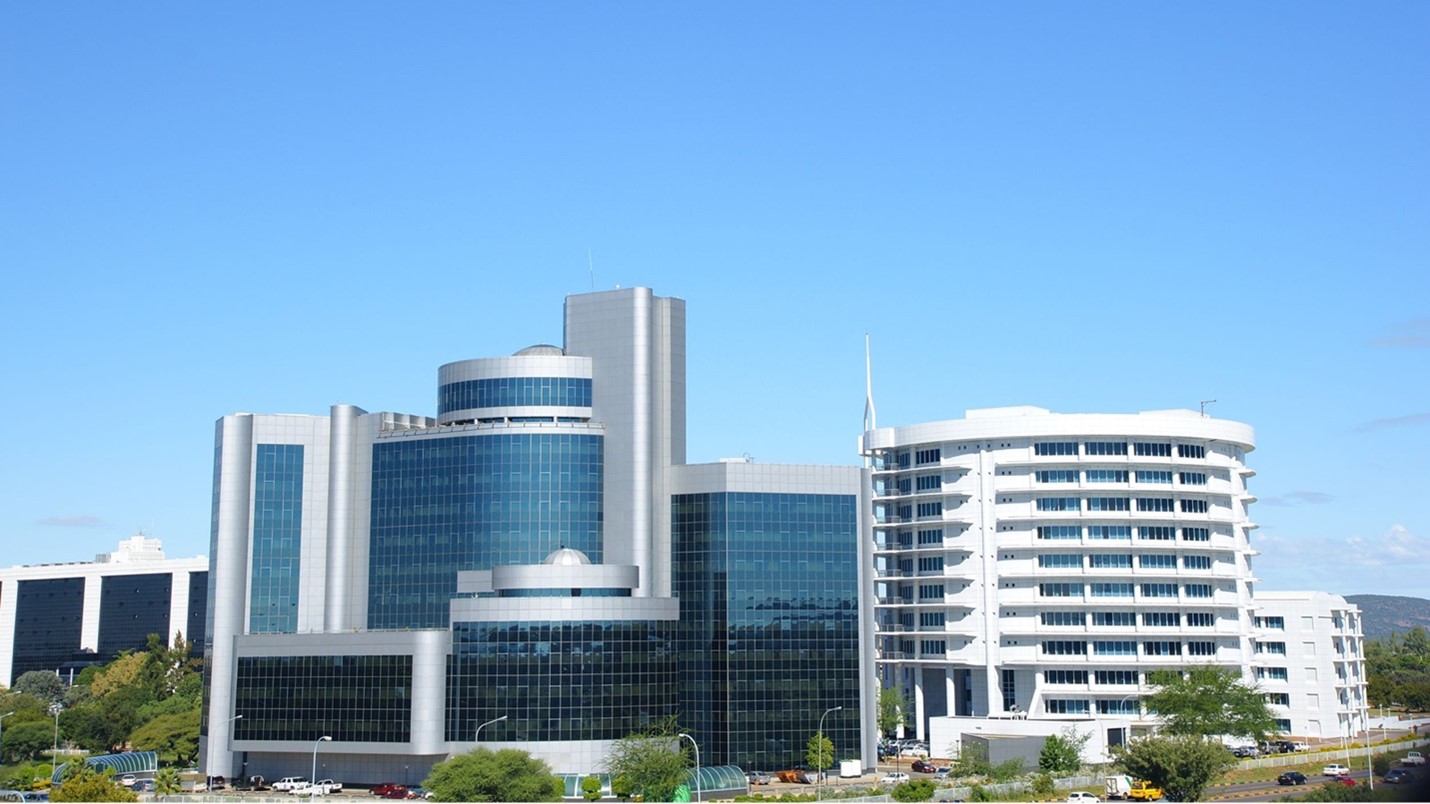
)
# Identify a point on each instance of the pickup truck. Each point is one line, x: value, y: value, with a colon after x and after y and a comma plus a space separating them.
x: 1413, y: 758
x: 288, y: 783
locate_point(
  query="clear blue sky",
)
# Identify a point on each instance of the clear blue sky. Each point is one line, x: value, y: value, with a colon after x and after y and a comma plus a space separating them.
x: 1090, y: 207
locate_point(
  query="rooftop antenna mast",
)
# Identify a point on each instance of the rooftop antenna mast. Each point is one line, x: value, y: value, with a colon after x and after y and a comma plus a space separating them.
x: 1206, y: 402
x: 591, y: 264
x: 870, y: 415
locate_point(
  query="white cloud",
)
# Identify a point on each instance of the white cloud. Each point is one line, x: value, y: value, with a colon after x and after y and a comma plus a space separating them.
x: 1413, y: 334
x: 71, y: 521
x: 1297, y: 498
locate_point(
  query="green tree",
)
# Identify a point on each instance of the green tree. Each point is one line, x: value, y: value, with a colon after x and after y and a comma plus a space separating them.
x: 891, y: 705
x: 972, y: 760
x: 622, y: 788
x: 1209, y: 701
x: 42, y: 684
x: 175, y: 738
x: 1182, y: 766
x: 819, y: 752
x: 485, y: 775
x: 83, y: 783
x: 1062, y: 753
x: 653, y: 762
x: 591, y: 788
x: 1044, y: 785
x: 168, y: 781
x: 916, y: 790
x: 28, y: 740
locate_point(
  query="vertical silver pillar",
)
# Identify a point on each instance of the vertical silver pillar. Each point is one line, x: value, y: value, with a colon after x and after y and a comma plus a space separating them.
x: 337, y: 613
x: 228, y: 578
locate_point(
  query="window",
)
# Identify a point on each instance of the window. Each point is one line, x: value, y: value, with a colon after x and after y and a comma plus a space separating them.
x: 1194, y: 506
x: 1162, y: 504
x: 1115, y: 677
x: 1064, y: 647
x: 1152, y: 450
x: 1063, y: 618
x: 905, y: 512
x: 931, y: 619
x: 1060, y: 589
x: 1159, y: 590
x: 931, y: 564
x: 926, y: 456
x: 1055, y: 448
x: 1111, y: 590
x: 1283, y: 725
x: 905, y: 485
x: 1114, y: 619
x: 1059, y: 561
x: 1193, y: 478
x: 1199, y: 590
x: 1161, y: 619
x: 1109, y: 531
x: 1191, y: 451
x: 1107, y: 448
x: 1162, y: 647
x: 1114, y: 647
x: 1273, y: 623
x: 1200, y: 648
x: 1065, y: 676
x: 1060, y: 706
x: 930, y: 591
x: 1056, y: 476
x: 1156, y: 476
x: 1059, y: 504
x: 1196, y: 534
x: 1271, y: 673
x: 934, y: 508
x: 928, y: 482
x: 934, y: 536
x: 1156, y: 561
x: 1122, y: 706
x: 1010, y: 697
x: 1060, y: 532
x: 1278, y: 699
x: 1197, y: 562
x: 1156, y: 533
x: 1274, y: 648
x: 1108, y: 504
x: 902, y: 460
x: 1106, y: 475
x: 933, y: 646
x: 1200, y: 619
x: 1110, y: 561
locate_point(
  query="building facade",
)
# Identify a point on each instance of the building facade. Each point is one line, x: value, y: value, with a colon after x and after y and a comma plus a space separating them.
x: 1039, y: 565
x: 64, y: 617
x: 503, y: 572
x: 1309, y: 658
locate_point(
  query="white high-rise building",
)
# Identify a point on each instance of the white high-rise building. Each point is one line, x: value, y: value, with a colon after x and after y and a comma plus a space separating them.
x: 1309, y: 657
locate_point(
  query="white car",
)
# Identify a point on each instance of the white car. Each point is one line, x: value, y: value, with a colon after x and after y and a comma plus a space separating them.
x: 1081, y: 797
x: 894, y: 777
x: 1413, y: 758
x: 1335, y: 769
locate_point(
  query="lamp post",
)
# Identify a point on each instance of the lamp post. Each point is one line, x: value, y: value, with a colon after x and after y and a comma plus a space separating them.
x: 229, y: 769
x: 697, y: 764
x: 55, y: 709
x: 2, y: 736
x: 313, y: 780
x: 478, y: 735
x: 820, y: 736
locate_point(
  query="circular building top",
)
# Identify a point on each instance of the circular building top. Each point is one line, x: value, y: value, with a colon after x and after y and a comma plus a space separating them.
x: 540, y: 349
x: 566, y: 557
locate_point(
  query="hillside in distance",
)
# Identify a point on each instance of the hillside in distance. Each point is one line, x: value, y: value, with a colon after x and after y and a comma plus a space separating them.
x: 1383, y: 614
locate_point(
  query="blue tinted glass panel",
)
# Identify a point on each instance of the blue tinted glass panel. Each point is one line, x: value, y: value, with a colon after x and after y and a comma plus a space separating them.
x: 277, y: 538
x: 47, y: 624
x: 506, y: 392
x: 365, y: 699
x: 131, y: 607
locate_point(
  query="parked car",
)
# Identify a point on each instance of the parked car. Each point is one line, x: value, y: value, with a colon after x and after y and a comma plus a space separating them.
x: 1335, y: 769
x: 289, y: 782
x: 128, y: 780
x: 1291, y: 777
x: 329, y: 786
x: 894, y: 777
x: 1399, y: 776
x: 383, y: 789
x: 1413, y: 758
x: 1344, y: 779
x: 924, y: 766
x: 1082, y: 797
x: 396, y: 791
x: 758, y: 777
x: 419, y: 793
x: 943, y: 773
x: 1245, y: 752
x: 145, y: 786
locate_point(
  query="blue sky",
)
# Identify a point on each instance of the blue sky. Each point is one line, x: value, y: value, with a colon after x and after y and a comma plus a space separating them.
x: 1092, y: 207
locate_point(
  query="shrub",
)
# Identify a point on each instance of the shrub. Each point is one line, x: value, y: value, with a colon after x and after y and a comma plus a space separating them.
x: 1043, y: 784
x: 917, y: 790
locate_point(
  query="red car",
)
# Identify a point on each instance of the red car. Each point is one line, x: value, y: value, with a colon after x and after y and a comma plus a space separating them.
x: 389, y: 790
x: 924, y: 766
x: 1345, y: 779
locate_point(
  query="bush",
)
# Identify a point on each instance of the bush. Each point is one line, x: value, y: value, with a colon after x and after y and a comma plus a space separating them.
x: 1043, y: 785
x: 1382, y: 763
x: 917, y: 790
x: 978, y: 793
x: 591, y: 788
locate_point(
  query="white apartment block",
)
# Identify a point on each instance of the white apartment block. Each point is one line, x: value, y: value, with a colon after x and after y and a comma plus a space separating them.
x: 1309, y: 658
x: 1039, y: 565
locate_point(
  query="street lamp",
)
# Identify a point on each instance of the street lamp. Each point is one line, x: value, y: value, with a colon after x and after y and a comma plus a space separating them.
x: 697, y: 764
x: 478, y: 735
x: 313, y: 780
x: 820, y: 736
x: 2, y: 736
x: 55, y: 709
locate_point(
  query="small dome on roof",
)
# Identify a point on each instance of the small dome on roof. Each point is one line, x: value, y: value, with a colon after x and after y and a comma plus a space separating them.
x: 566, y: 557
x: 540, y: 349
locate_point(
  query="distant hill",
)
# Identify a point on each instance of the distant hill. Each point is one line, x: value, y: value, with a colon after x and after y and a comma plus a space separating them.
x: 1383, y: 614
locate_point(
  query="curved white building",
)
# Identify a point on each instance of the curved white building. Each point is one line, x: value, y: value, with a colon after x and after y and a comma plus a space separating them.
x: 1037, y: 564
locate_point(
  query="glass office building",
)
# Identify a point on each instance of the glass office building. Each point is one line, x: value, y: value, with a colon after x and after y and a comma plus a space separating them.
x: 505, y: 572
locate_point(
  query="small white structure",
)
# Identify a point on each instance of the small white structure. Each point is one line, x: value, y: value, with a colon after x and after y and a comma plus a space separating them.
x: 947, y: 734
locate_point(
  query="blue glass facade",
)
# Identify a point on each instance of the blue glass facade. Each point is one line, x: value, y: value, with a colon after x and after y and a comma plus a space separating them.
x: 504, y: 392
x: 560, y: 680
x: 471, y: 502
x: 131, y: 607
x: 277, y: 538
x: 350, y: 698
x: 48, y: 616
x: 769, y: 630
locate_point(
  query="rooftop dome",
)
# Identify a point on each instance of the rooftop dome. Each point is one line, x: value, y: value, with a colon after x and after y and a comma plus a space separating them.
x: 566, y: 557
x: 544, y: 349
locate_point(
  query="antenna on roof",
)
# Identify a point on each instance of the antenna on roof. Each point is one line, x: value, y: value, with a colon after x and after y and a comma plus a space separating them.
x: 1206, y: 402
x: 870, y: 415
x: 591, y: 264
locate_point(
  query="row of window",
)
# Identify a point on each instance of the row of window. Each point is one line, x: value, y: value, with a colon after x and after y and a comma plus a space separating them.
x: 1079, y: 706
x: 1127, y: 647
x: 1115, y: 619
x: 1076, y: 589
x: 1122, y: 561
x: 1151, y: 533
x: 1101, y: 677
x: 1148, y: 476
x: 1152, y: 504
x: 1146, y: 449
